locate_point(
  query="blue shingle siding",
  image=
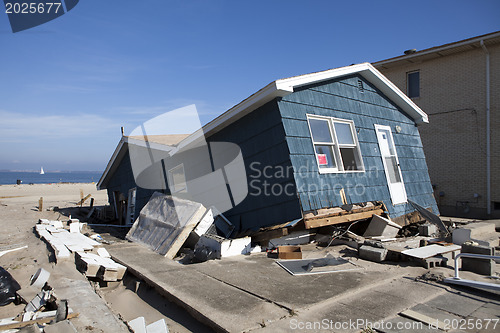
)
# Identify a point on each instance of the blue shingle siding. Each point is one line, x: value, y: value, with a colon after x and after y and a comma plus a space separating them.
x: 122, y: 181
x: 261, y: 138
x: 342, y: 98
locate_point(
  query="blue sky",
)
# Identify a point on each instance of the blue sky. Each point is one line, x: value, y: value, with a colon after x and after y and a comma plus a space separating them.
x: 69, y: 85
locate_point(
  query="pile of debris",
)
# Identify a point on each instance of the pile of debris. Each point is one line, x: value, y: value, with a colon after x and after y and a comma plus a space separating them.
x: 186, y: 230
x: 168, y: 224
x: 90, y: 258
x: 43, y: 312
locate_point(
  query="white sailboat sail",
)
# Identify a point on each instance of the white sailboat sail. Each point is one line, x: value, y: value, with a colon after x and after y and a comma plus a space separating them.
x: 41, y: 171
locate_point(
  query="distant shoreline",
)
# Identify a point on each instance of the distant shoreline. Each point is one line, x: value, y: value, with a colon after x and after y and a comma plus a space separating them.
x: 58, y: 183
x: 26, y: 178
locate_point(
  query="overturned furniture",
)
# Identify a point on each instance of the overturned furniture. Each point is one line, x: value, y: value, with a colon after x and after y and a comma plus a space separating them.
x: 165, y: 223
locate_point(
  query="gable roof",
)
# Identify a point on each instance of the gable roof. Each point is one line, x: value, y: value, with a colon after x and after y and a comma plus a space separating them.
x: 440, y: 51
x: 284, y: 87
x: 160, y: 142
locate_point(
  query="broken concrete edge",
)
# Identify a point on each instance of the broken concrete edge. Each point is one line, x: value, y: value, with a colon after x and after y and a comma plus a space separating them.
x: 171, y: 297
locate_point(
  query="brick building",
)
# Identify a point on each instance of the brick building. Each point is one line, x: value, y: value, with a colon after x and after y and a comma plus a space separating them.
x: 458, y: 86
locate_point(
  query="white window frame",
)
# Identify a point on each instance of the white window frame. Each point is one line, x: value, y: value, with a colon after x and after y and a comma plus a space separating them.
x: 171, y: 183
x: 336, y: 146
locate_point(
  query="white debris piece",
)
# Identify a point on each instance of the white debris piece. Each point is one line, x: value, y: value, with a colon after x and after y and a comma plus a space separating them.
x: 159, y: 326
x: 224, y: 247
x: 103, y: 253
x: 138, y: 325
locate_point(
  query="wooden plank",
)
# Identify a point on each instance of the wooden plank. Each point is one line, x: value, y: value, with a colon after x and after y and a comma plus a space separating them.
x: 324, y: 212
x: 40, y: 204
x: 424, y: 319
x: 22, y: 324
x: 267, y: 235
x: 83, y: 200
x: 343, y: 197
x: 331, y: 220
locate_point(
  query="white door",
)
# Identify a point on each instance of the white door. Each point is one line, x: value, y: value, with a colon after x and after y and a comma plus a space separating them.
x: 391, y: 164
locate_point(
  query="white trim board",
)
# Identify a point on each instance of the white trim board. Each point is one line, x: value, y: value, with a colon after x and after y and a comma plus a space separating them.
x: 284, y: 87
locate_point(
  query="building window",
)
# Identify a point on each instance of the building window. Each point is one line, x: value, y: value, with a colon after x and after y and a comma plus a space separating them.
x: 413, y: 84
x: 177, y: 179
x: 336, y: 145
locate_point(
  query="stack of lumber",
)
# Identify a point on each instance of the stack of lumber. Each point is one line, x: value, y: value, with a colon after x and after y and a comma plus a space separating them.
x: 343, y: 214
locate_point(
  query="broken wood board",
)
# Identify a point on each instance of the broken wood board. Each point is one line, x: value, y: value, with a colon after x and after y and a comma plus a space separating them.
x: 331, y: 220
x: 84, y: 199
x: 270, y: 234
x: 344, y: 209
x: 44, y: 320
x: 165, y: 223
x: 424, y: 319
x: 429, y: 251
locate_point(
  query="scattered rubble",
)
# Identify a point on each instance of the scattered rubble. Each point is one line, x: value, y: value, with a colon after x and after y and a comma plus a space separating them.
x: 42, y: 310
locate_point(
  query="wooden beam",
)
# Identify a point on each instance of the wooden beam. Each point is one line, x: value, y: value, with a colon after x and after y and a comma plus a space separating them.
x: 84, y: 199
x: 267, y: 235
x: 331, y: 220
x: 40, y: 204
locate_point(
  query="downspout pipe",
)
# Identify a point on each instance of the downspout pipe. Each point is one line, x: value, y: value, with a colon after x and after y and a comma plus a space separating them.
x: 488, y: 136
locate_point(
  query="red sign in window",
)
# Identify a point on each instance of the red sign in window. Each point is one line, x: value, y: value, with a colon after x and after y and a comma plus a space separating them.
x: 322, y: 159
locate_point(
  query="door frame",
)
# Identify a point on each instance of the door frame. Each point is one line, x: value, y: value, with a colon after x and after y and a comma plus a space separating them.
x: 391, y: 191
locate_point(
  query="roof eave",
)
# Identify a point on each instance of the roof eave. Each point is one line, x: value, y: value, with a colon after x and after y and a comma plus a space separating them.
x: 437, y: 49
x: 101, y: 185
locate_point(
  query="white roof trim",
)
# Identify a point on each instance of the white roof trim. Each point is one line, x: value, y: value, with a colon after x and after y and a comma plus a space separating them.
x: 111, y: 162
x: 124, y: 142
x: 284, y: 87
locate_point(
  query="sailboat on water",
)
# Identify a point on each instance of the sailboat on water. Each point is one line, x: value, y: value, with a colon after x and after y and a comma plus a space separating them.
x: 41, y: 171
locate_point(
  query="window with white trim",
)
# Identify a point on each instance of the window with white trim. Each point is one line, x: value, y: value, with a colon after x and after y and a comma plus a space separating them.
x: 336, y: 145
x: 177, y: 179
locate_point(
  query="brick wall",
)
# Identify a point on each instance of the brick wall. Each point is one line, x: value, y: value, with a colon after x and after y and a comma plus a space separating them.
x: 453, y: 94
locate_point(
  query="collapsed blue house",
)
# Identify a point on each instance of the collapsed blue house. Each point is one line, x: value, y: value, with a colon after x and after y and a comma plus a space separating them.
x: 311, y: 142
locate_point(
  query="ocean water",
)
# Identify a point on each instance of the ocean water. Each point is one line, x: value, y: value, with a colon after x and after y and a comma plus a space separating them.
x: 11, y: 177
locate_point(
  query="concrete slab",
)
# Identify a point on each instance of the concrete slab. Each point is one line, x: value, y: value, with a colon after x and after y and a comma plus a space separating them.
x: 262, y: 276
x: 436, y: 313
x: 487, y: 311
x: 457, y: 304
x: 368, y: 304
x: 64, y: 326
x: 221, y: 306
x: 246, y: 293
x: 403, y: 325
